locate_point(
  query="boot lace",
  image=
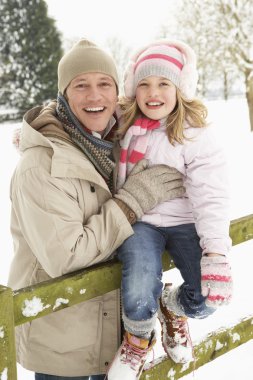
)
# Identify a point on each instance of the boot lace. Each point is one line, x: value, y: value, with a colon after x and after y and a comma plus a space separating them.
x: 132, y: 355
x: 181, y: 330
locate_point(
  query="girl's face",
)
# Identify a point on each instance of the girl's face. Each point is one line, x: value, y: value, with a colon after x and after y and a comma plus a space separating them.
x: 156, y: 97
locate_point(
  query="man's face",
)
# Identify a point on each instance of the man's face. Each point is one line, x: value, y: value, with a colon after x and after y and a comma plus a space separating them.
x: 92, y: 98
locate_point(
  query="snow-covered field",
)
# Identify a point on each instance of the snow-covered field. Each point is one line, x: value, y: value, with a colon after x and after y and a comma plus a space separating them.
x: 232, y: 126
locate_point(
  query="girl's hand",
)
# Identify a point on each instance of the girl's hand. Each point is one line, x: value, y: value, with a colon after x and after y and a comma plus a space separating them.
x: 216, y: 280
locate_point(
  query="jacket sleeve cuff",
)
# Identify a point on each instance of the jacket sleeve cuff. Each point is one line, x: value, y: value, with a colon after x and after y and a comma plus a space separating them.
x: 130, y: 214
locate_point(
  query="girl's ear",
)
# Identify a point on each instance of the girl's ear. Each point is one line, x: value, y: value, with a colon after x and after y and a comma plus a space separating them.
x: 189, y: 74
x: 129, y: 80
x: 188, y: 81
x: 129, y: 73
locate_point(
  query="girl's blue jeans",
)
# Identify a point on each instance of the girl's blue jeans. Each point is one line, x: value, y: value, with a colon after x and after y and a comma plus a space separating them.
x: 141, y: 257
x: 42, y: 376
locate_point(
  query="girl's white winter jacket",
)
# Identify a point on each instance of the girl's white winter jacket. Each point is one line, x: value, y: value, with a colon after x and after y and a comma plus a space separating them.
x: 206, y: 202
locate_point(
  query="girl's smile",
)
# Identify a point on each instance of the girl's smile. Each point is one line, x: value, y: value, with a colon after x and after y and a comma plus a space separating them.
x: 156, y: 97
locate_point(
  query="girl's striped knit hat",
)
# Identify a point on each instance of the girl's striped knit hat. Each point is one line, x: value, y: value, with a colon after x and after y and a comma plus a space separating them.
x: 170, y: 59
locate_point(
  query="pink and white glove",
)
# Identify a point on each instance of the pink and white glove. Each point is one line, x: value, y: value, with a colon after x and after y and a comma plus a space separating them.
x: 216, y: 280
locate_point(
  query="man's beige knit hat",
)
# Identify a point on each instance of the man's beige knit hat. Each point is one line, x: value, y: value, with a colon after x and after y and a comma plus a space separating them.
x: 85, y: 57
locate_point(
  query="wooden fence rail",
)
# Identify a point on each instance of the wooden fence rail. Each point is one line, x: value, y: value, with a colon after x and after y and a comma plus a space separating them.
x: 35, y: 301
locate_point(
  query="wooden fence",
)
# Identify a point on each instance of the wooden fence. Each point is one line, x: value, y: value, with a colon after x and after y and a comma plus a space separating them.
x: 86, y: 284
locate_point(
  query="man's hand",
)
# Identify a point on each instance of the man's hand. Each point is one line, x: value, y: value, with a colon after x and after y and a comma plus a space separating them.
x: 146, y: 186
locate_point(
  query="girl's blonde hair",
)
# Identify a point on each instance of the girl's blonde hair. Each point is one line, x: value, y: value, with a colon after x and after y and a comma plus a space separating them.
x: 192, y: 111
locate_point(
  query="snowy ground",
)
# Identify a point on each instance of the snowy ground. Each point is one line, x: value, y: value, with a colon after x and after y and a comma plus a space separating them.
x: 232, y: 126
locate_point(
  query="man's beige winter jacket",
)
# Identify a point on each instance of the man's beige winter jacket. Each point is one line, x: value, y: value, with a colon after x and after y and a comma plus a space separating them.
x: 63, y: 219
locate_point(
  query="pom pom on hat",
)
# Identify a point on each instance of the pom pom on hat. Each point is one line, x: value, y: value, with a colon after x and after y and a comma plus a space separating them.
x: 171, y: 59
x: 85, y: 57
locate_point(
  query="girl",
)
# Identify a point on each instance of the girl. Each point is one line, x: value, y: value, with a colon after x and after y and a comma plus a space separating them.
x: 163, y: 123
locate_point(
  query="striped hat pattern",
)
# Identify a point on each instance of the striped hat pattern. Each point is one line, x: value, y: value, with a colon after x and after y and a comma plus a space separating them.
x: 170, y: 59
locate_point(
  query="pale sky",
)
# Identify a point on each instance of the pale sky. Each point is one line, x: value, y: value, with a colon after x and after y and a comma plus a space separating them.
x: 133, y: 21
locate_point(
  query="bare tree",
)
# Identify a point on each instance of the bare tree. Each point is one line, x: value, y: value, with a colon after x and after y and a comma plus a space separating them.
x: 121, y: 54
x: 238, y: 20
x: 221, y: 33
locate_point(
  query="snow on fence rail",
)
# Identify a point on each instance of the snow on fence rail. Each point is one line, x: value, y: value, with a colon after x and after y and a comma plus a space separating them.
x: 23, y: 305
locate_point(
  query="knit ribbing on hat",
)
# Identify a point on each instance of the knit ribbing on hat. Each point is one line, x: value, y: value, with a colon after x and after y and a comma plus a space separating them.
x: 84, y: 57
x: 188, y: 75
x: 161, y: 60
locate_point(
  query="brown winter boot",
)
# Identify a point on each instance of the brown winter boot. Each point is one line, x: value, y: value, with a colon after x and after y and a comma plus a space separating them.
x: 175, y: 336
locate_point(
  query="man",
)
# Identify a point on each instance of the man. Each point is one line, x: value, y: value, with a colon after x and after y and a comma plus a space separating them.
x: 64, y: 216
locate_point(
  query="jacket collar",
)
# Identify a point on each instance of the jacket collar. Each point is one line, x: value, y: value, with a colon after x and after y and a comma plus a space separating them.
x: 67, y: 159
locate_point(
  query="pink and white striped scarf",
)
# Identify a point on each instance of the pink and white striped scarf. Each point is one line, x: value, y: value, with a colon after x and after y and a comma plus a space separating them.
x: 141, y: 131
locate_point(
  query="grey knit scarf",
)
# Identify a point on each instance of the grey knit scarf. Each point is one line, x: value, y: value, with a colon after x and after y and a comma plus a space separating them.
x: 99, y: 151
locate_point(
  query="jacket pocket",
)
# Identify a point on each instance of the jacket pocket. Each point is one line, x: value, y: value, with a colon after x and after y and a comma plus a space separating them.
x: 71, y: 329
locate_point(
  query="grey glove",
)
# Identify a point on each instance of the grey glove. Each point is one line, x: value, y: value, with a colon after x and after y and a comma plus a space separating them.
x: 146, y: 187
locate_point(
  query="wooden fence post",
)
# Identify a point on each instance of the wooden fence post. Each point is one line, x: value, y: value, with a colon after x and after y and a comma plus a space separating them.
x: 8, y: 369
